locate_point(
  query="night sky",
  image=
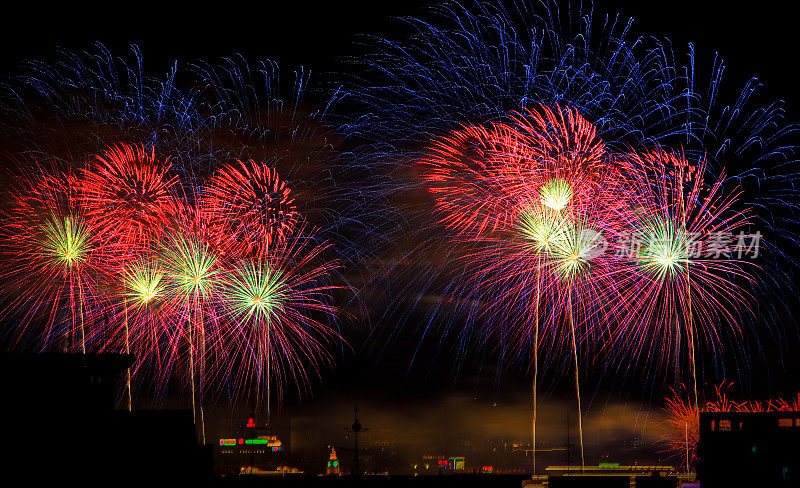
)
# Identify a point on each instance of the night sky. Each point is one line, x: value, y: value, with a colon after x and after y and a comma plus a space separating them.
x: 426, y: 405
x: 758, y: 40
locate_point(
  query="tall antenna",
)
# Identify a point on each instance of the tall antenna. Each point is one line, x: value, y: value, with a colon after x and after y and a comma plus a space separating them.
x: 356, y: 428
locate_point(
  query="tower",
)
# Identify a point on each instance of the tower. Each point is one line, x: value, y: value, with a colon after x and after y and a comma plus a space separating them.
x: 333, y: 464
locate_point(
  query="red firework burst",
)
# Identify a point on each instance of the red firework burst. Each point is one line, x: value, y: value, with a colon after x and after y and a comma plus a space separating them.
x: 554, y: 143
x: 465, y: 172
x: 249, y: 207
x: 480, y: 176
x: 127, y: 195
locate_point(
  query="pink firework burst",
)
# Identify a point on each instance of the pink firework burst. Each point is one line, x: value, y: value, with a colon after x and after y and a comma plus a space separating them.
x: 277, y: 308
x: 685, y: 281
x: 51, y: 266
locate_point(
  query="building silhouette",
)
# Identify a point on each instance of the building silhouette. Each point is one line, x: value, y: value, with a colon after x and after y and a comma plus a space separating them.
x: 59, y: 410
x: 749, y: 449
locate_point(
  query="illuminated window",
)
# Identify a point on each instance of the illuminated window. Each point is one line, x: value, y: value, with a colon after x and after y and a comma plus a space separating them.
x: 785, y: 422
x: 725, y: 425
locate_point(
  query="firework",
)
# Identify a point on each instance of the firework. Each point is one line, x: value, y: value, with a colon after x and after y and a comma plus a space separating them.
x: 126, y: 193
x: 279, y: 305
x: 248, y: 202
x: 144, y: 283
x: 527, y: 109
x: 193, y: 269
x: 538, y: 205
x: 191, y: 266
x: 143, y: 293
x: 688, y: 275
x: 50, y: 254
x: 683, y: 422
x: 464, y: 172
x: 156, y: 249
x: 479, y: 67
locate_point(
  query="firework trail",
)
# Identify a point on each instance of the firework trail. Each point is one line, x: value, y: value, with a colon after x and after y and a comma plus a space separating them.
x: 193, y: 267
x: 143, y: 293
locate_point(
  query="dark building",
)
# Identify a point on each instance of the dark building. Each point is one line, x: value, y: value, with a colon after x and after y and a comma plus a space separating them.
x: 749, y: 449
x: 59, y: 418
